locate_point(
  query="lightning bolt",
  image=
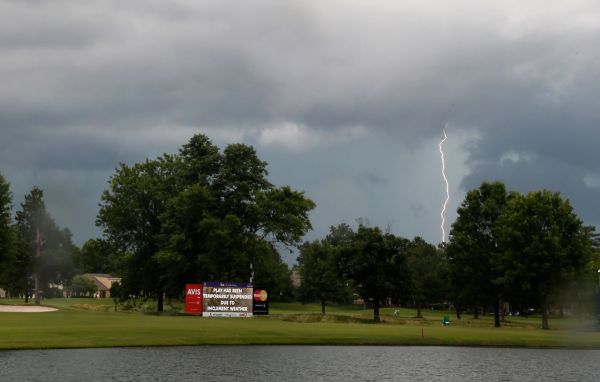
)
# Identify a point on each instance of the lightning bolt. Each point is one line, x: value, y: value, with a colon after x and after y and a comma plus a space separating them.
x: 443, y: 212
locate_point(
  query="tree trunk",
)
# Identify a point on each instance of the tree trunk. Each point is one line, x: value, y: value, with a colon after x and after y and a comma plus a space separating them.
x: 419, y: 315
x: 323, y: 307
x: 457, y: 310
x: 376, y: 316
x: 36, y: 288
x: 476, y: 315
x: 159, y: 301
x: 496, y: 312
x: 545, y: 314
x: 38, y: 251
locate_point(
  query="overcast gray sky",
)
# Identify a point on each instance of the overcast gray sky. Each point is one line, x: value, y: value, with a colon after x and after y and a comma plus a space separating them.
x: 346, y: 100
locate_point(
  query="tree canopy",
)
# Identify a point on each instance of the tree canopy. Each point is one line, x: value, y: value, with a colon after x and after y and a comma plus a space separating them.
x: 7, y: 238
x: 45, y: 251
x: 474, y: 249
x: 427, y: 274
x: 545, y: 247
x: 320, y: 274
x: 200, y: 215
x: 519, y: 248
x: 375, y: 265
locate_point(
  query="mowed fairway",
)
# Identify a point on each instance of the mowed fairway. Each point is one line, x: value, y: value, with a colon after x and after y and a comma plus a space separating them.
x: 91, y: 324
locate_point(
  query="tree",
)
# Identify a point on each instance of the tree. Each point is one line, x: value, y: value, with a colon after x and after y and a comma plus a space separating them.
x: 46, y: 253
x: 97, y: 256
x: 116, y: 293
x: 321, y: 280
x: 340, y: 235
x: 282, y: 215
x: 546, y: 246
x: 30, y: 219
x: 240, y: 178
x: 81, y: 285
x: 7, y: 239
x: 474, y: 249
x: 16, y: 271
x: 199, y: 215
x: 272, y: 273
x: 427, y: 273
x: 375, y: 265
x: 130, y: 214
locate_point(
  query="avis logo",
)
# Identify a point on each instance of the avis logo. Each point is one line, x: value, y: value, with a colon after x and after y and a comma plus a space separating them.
x: 194, y: 292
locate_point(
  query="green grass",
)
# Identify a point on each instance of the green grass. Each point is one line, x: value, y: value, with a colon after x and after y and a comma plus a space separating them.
x: 92, y: 323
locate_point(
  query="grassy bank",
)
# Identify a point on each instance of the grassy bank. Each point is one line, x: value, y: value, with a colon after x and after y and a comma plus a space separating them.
x: 92, y: 323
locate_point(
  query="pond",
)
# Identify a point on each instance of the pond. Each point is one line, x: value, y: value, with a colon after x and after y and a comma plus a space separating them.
x: 300, y: 363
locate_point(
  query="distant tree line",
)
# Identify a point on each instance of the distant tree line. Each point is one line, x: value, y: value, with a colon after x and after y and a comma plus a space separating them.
x: 200, y: 214
x: 204, y: 214
x: 530, y: 250
x: 526, y: 250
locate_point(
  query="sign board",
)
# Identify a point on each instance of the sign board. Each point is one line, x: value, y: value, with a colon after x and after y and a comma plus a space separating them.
x: 260, y: 302
x: 227, y: 299
x: 193, y: 298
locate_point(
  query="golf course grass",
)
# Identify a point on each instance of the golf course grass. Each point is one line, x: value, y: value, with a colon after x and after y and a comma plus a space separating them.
x: 93, y: 323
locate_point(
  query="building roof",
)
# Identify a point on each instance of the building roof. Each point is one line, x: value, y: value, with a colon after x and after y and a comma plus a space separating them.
x: 103, y: 281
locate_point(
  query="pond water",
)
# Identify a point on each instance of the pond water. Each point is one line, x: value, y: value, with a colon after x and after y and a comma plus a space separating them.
x: 300, y: 363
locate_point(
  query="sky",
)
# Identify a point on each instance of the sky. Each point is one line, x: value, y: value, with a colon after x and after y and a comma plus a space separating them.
x: 346, y: 100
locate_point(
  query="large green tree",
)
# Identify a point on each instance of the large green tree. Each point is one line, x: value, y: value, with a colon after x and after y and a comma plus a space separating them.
x: 16, y: 271
x: 427, y: 274
x: 375, y: 265
x: 474, y: 250
x: 7, y: 237
x: 130, y: 214
x: 46, y: 253
x: 199, y: 215
x: 321, y: 279
x: 546, y: 247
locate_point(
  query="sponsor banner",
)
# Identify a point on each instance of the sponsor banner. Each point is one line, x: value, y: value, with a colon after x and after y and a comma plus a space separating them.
x: 225, y: 284
x: 227, y: 299
x: 193, y: 298
x: 260, y: 302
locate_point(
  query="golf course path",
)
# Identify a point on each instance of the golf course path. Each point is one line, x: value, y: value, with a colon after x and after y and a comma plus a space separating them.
x: 25, y: 309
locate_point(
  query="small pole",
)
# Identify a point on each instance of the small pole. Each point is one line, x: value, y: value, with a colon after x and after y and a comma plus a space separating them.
x: 422, y: 333
x: 35, y: 275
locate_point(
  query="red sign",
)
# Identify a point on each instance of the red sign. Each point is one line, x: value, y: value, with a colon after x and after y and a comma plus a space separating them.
x: 260, y: 295
x: 193, y: 298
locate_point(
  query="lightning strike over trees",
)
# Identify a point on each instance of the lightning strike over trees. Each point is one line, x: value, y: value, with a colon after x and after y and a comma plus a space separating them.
x: 443, y: 212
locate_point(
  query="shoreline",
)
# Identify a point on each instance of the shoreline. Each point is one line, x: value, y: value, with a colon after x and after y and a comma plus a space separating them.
x: 365, y: 345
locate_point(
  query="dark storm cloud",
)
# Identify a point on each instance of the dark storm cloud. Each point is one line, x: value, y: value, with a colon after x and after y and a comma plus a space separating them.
x: 209, y: 64
x: 536, y: 173
x: 88, y: 84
